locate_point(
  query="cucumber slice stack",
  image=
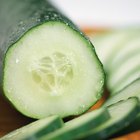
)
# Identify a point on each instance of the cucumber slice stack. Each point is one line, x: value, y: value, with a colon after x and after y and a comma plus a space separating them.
x: 49, y: 66
x: 121, y: 116
x: 122, y: 68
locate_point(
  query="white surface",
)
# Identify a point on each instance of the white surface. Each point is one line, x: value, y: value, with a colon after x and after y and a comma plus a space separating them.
x: 101, y: 13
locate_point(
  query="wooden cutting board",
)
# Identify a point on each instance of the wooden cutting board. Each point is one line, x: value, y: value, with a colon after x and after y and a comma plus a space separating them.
x: 10, y: 120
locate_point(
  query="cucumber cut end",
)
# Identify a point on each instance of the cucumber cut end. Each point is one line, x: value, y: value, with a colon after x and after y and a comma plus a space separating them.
x: 52, y: 70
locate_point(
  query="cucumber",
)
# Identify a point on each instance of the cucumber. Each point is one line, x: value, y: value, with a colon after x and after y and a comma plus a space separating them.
x: 121, y: 73
x: 35, y: 129
x: 127, y: 79
x: 130, y: 90
x: 129, y: 49
x: 49, y: 66
x: 74, y: 128
x: 106, y: 43
x: 134, y: 126
x: 122, y: 114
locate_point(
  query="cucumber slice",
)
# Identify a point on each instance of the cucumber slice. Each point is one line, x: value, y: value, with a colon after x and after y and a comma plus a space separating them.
x: 123, y: 71
x: 134, y: 126
x: 131, y: 90
x: 129, y: 78
x: 129, y: 49
x: 108, y: 44
x: 54, y: 64
x: 105, y: 44
x: 78, y: 126
x: 122, y: 114
x: 35, y: 129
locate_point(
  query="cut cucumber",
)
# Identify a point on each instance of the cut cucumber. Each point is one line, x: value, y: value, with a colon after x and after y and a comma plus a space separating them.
x: 35, y: 129
x: 129, y: 49
x: 106, y: 43
x: 74, y: 128
x: 122, y: 114
x: 131, y: 90
x: 122, y: 72
x: 50, y: 66
x: 127, y: 79
x: 134, y: 126
x: 109, y: 43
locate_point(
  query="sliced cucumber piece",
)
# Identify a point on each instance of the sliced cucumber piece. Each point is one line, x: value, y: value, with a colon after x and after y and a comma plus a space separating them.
x: 35, y: 129
x: 106, y: 44
x: 129, y: 78
x: 50, y: 67
x: 131, y: 90
x: 128, y: 49
x: 122, y: 114
x: 134, y: 126
x: 123, y: 71
x: 80, y: 125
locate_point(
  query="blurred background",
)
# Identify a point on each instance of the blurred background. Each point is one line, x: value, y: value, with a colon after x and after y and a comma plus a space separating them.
x: 101, y: 13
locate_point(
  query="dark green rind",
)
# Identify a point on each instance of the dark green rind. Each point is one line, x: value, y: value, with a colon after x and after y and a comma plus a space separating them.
x: 70, y: 133
x: 57, y: 124
x: 115, y: 127
x: 54, y: 124
x: 134, y: 126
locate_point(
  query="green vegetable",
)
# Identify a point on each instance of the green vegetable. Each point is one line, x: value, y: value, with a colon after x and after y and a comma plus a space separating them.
x: 122, y: 114
x: 49, y: 66
x: 81, y: 125
x: 35, y: 129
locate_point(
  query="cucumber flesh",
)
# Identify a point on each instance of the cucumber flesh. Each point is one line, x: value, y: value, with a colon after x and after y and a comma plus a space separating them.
x: 35, y: 129
x: 130, y: 90
x: 129, y: 78
x: 129, y: 49
x: 50, y: 65
x: 74, y: 128
x: 106, y: 44
x: 122, y: 114
x: 134, y: 126
x: 122, y: 72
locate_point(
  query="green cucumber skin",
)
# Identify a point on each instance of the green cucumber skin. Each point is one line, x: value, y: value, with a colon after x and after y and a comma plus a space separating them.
x: 134, y: 126
x: 118, y: 126
x: 47, y: 130
x: 26, y: 15
x: 22, y: 133
x: 120, y: 95
x: 73, y: 134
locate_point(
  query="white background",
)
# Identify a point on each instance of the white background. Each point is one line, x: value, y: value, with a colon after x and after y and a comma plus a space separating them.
x: 101, y: 13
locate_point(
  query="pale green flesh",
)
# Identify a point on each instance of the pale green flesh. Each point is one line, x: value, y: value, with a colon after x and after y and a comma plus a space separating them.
x: 80, y: 125
x: 130, y: 48
x: 106, y: 44
x: 33, y: 128
x: 52, y: 70
x: 126, y: 80
x: 131, y: 90
x: 122, y: 71
x: 120, y: 117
